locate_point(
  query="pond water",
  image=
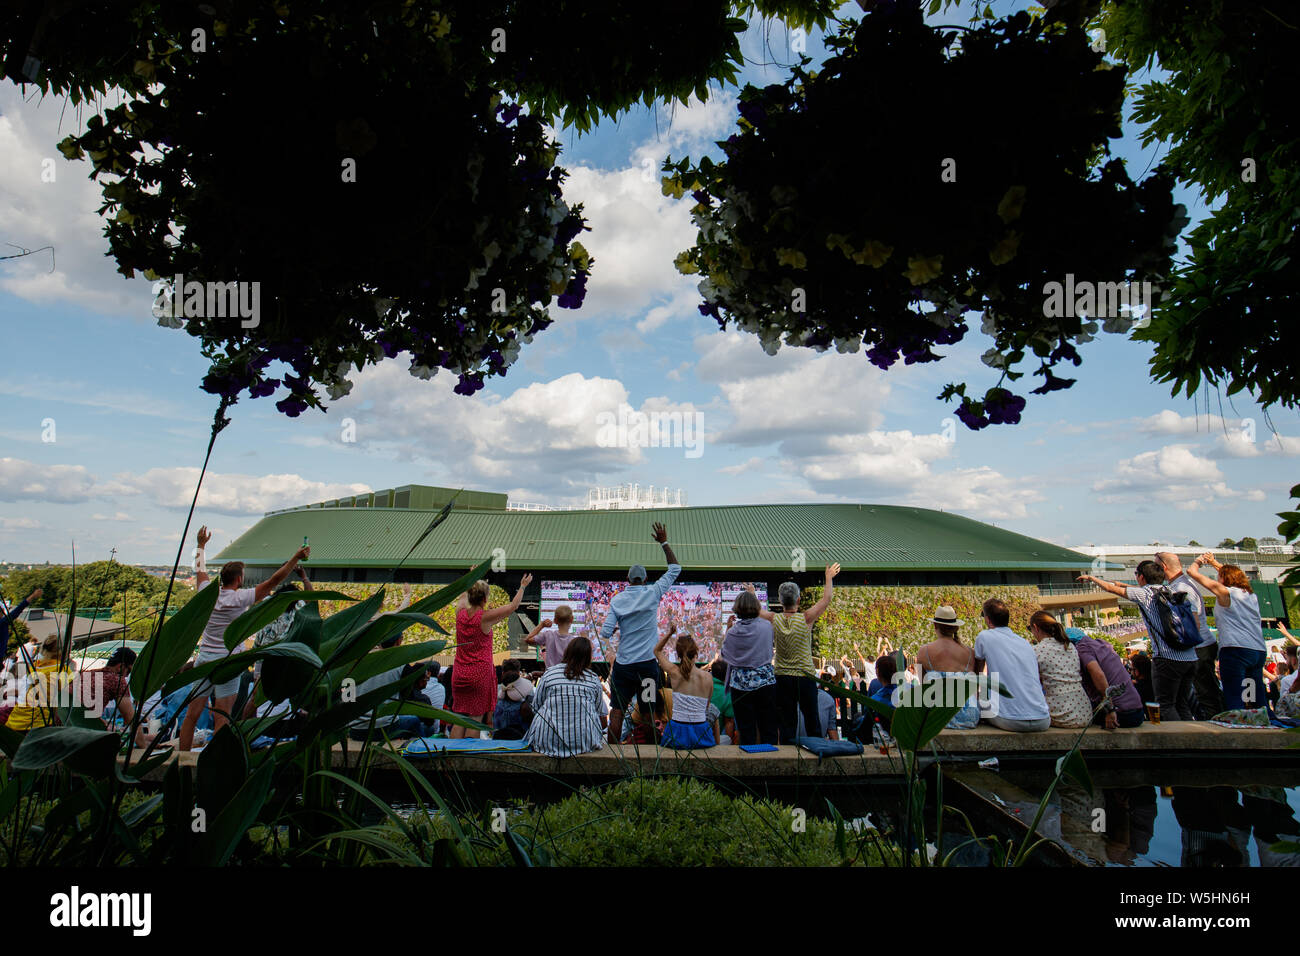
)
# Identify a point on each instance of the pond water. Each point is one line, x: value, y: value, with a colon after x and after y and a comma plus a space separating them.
x: 1203, y: 818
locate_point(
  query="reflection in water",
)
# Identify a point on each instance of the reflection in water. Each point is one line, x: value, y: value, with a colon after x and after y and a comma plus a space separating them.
x: 1215, y: 826
x: 1129, y: 822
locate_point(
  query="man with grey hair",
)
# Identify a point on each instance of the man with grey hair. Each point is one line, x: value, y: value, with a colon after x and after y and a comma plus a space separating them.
x: 1209, y: 695
x: 635, y: 612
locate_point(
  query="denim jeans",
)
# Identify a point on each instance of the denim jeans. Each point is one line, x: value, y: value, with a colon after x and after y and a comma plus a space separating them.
x: 1172, y: 682
x: 796, y: 694
x: 1209, y: 696
x: 1242, y: 671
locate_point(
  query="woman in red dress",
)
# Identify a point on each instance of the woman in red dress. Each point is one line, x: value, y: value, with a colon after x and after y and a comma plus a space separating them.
x: 473, y: 675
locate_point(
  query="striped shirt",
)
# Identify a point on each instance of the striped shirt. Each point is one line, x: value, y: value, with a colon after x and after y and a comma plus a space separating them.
x: 1145, y: 600
x: 793, y: 645
x: 566, y: 718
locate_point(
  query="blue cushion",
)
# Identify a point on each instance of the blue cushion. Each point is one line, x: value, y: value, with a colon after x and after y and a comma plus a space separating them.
x: 829, y: 748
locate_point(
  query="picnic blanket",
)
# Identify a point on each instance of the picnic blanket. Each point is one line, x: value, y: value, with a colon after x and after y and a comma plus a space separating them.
x: 423, y: 746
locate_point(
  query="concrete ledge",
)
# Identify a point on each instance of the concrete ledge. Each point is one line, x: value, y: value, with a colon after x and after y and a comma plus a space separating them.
x: 1171, y: 738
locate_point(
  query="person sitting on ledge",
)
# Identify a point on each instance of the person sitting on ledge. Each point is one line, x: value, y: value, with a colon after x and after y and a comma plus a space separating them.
x: 566, y: 705
x: 1059, y: 673
x: 946, y: 657
x: 1011, y: 661
x: 1100, y: 668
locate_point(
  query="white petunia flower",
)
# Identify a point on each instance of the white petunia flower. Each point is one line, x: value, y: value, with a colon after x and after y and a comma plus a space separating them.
x: 423, y: 372
x: 340, y: 388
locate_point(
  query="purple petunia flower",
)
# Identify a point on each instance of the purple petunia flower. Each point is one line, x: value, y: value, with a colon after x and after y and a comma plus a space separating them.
x: 970, y: 418
x: 468, y: 385
x: 264, y: 388
x: 882, y: 356
x: 753, y: 112
x: 574, y: 293
x: 1003, y: 408
x: 291, y: 406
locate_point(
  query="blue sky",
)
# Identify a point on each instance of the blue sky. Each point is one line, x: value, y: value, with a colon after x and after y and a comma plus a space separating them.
x: 1112, y: 460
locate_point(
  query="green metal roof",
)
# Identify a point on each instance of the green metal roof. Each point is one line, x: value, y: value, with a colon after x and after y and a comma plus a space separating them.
x: 860, y: 537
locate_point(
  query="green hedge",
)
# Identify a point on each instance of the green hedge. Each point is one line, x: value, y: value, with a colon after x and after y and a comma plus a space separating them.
x: 902, y: 614
x: 670, y: 822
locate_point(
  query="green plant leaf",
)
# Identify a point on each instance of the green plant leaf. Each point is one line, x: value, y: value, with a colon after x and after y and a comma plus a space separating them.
x: 221, y: 770
x: 260, y: 615
x: 518, y: 852
x: 227, y: 668
x: 285, y: 677
x: 339, y: 625
x: 87, y: 751
x: 224, y: 833
x: 1072, y: 765
x: 172, y: 646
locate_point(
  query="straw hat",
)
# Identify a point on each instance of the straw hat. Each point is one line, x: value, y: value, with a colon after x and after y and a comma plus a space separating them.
x: 946, y: 615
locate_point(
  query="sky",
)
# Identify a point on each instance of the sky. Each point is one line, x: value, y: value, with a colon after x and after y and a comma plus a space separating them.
x: 103, y: 426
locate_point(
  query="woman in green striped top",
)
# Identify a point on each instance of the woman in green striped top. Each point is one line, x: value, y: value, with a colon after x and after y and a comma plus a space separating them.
x: 796, y: 681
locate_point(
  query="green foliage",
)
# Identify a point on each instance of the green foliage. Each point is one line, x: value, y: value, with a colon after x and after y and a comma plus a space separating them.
x: 99, y: 584
x: 1224, y: 106
x: 902, y: 615
x: 474, y: 246
x: 844, y: 251
x: 644, y: 822
x: 19, y: 633
x: 392, y: 599
x: 286, y: 791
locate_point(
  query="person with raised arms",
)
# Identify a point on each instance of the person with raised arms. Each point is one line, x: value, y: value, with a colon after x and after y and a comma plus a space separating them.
x: 232, y: 600
x: 635, y: 612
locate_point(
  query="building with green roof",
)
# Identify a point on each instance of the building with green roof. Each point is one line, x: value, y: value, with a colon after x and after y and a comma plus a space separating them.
x: 365, y: 538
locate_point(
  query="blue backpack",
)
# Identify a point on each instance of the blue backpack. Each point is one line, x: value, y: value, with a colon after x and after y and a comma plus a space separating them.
x: 1177, y: 625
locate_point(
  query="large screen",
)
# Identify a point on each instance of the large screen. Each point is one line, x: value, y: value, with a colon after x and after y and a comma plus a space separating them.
x: 700, y: 610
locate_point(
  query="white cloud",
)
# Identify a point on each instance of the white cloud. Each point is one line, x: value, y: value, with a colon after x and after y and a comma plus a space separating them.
x: 637, y: 231
x: 26, y: 524
x: 1174, y: 475
x: 787, y: 397
x: 980, y: 492
x: 228, y: 494
x: 60, y: 213
x: 115, y: 516
x: 29, y: 481
x: 544, y: 438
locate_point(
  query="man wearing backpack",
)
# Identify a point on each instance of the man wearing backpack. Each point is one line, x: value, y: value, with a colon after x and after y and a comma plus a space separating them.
x: 1171, y: 624
x: 1209, y: 695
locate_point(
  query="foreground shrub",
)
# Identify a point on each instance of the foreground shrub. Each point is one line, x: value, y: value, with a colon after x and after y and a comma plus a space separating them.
x: 677, y: 821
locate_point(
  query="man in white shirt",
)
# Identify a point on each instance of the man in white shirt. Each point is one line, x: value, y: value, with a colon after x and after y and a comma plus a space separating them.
x: 1292, y: 663
x: 1205, y: 681
x: 1012, y: 661
x: 232, y: 601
